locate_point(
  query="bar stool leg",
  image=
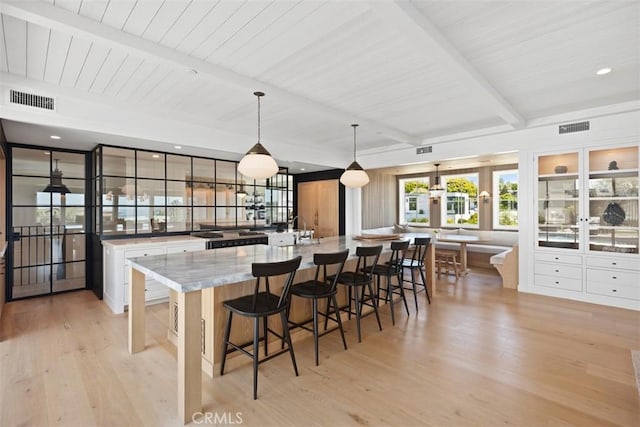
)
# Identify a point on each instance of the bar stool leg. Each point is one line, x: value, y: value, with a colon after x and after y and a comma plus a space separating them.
x: 415, y: 289
x: 335, y: 305
x: 287, y: 336
x: 390, y: 296
x: 404, y: 298
x: 227, y: 332
x: 315, y: 328
x: 256, y: 341
x: 266, y: 336
x: 375, y: 309
x: 426, y: 288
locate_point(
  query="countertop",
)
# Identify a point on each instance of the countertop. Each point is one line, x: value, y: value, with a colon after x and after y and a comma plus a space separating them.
x: 149, y: 240
x: 192, y: 271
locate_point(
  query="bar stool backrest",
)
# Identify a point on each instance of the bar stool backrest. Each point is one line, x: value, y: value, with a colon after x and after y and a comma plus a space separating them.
x: 398, y: 251
x: 323, y: 260
x: 270, y: 269
x: 421, y: 244
x: 367, y: 259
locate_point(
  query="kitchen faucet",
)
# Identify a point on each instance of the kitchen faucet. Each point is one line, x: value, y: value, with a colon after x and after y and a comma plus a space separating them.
x: 304, y: 222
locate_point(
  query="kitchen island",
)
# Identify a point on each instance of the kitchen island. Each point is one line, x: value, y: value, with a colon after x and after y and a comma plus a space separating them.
x: 199, y: 283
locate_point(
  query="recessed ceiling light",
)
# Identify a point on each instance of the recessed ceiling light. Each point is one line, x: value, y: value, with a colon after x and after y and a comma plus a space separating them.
x: 178, y: 147
x: 54, y: 137
x: 155, y: 156
x: 603, y: 71
x: 46, y: 153
x: 301, y: 169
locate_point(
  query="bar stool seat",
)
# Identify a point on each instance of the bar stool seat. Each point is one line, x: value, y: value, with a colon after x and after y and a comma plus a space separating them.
x: 447, y: 258
x: 261, y: 305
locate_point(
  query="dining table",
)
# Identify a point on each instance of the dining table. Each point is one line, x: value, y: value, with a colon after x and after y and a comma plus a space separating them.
x: 223, y: 271
x: 463, y: 240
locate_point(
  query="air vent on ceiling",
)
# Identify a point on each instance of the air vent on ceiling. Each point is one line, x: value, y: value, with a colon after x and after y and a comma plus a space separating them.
x: 573, y: 127
x: 32, y: 100
x: 424, y: 150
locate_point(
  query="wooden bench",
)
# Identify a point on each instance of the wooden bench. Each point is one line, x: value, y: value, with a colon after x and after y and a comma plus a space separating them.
x: 507, y: 265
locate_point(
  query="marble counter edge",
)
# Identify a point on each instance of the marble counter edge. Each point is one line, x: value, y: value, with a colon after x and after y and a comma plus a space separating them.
x: 234, y: 264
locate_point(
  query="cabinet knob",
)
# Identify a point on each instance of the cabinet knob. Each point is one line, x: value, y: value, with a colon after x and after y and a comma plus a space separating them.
x: 614, y: 277
x: 557, y: 283
x: 557, y: 258
x: 613, y: 263
x: 614, y: 290
x: 557, y: 271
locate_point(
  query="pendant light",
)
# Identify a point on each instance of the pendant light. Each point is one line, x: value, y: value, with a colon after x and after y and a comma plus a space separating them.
x: 354, y: 176
x: 436, y: 191
x: 241, y: 192
x: 258, y: 163
x: 56, y: 185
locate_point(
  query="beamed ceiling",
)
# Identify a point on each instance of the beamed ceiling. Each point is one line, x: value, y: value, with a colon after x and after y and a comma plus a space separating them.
x: 160, y: 73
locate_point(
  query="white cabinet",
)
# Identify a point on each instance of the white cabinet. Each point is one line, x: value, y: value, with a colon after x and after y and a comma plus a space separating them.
x: 116, y: 269
x: 587, y: 230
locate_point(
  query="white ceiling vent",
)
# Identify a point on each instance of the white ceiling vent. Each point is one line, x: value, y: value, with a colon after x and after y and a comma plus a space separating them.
x: 573, y: 127
x: 424, y: 150
x: 32, y: 100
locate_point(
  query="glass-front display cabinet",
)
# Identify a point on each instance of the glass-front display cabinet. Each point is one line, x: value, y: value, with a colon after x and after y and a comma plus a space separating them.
x: 588, y: 200
x: 559, y: 201
x: 613, y: 200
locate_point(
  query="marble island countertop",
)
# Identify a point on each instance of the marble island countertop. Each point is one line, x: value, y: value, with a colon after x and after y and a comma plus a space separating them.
x: 192, y: 271
x: 149, y: 240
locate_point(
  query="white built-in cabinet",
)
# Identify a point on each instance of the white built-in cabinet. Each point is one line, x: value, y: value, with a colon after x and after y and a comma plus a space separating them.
x: 116, y: 270
x: 587, y: 230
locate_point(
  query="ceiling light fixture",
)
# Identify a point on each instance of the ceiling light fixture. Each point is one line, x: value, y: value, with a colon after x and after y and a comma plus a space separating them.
x: 258, y: 163
x: 54, y: 137
x: 436, y: 191
x: 178, y: 147
x: 354, y: 176
x: 241, y: 192
x: 603, y: 71
x: 56, y: 185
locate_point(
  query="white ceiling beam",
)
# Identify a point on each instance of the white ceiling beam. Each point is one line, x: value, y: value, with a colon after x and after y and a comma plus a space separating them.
x: 410, y: 22
x: 57, y: 18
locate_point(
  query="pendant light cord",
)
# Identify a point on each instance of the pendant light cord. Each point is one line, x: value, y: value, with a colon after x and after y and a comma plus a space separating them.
x: 258, y: 118
x: 354, y: 141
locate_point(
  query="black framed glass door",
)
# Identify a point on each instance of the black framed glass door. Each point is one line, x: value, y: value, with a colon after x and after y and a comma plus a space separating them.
x: 47, y: 221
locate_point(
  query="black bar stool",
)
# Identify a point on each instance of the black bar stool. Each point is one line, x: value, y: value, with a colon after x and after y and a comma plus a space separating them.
x: 417, y: 263
x: 393, y: 268
x: 261, y: 305
x: 321, y: 288
x: 359, y: 282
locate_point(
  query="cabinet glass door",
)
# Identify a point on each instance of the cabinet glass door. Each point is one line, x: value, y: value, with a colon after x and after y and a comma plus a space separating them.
x: 558, y: 201
x: 613, y: 200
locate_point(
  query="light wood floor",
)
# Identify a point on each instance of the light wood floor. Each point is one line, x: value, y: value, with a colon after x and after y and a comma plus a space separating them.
x: 478, y: 356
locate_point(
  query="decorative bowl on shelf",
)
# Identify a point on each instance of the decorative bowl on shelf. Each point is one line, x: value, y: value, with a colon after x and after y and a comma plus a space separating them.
x: 560, y: 169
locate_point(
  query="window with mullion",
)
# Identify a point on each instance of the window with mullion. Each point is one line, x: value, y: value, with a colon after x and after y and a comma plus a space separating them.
x: 460, y: 202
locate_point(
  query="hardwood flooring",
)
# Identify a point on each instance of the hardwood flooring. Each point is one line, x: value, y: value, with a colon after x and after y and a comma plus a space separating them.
x: 479, y: 355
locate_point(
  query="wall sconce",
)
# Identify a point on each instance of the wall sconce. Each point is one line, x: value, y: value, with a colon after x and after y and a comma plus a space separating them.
x: 484, y: 196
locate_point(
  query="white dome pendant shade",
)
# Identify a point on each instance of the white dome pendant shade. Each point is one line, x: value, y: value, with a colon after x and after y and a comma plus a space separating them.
x: 354, y: 176
x: 258, y: 163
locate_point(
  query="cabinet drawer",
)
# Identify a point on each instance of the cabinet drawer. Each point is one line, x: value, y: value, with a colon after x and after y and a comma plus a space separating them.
x: 612, y: 289
x: 613, y: 277
x: 559, y: 270
x: 614, y: 263
x: 561, y: 258
x: 152, y: 291
x: 190, y: 247
x: 135, y: 253
x: 568, y: 283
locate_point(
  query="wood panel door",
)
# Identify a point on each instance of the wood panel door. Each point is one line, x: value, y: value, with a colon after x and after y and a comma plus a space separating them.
x: 318, y: 207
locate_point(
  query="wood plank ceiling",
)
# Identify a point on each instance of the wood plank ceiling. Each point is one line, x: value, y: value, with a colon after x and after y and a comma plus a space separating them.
x: 406, y: 71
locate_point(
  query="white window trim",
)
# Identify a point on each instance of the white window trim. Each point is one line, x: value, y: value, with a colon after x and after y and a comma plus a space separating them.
x: 443, y: 202
x: 496, y: 199
x: 401, y: 196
